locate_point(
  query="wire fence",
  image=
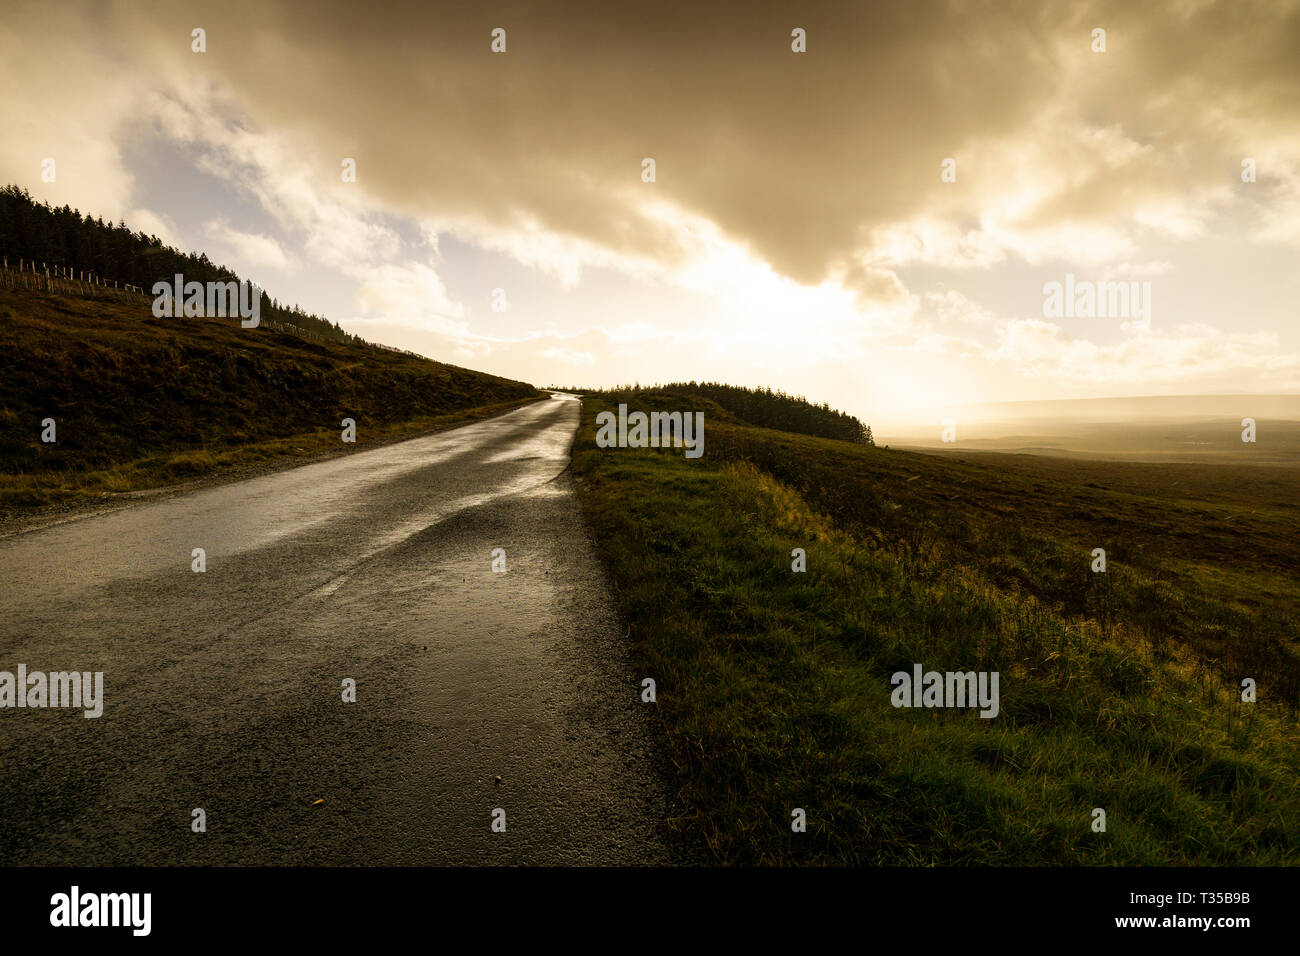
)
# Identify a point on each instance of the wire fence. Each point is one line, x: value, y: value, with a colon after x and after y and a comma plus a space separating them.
x: 63, y: 280
x: 27, y: 274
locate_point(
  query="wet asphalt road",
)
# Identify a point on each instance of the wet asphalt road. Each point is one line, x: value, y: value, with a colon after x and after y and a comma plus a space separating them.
x: 223, y: 690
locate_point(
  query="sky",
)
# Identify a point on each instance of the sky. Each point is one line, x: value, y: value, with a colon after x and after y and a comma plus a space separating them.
x: 874, y: 220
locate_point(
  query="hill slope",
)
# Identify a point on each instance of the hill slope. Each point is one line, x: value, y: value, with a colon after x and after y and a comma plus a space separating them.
x: 63, y: 239
x: 140, y: 401
x: 1120, y: 691
x: 752, y: 406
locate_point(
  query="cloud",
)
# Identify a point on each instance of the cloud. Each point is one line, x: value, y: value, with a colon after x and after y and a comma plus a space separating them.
x: 807, y: 160
x: 339, y: 227
x: 249, y: 252
x: 1193, y: 352
x: 49, y: 110
x: 155, y: 224
x: 952, y: 309
x: 568, y: 356
x: 412, y: 295
x: 798, y: 202
x: 799, y: 157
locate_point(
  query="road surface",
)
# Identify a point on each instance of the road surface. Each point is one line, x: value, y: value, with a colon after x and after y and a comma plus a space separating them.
x: 223, y: 690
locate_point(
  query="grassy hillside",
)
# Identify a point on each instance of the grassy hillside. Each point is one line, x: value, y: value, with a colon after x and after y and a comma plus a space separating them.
x: 752, y: 406
x: 1119, y: 691
x: 141, y: 401
x: 65, y: 242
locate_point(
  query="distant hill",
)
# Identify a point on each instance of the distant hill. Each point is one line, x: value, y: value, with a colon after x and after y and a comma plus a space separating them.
x: 751, y: 406
x: 1133, y: 409
x: 1174, y: 428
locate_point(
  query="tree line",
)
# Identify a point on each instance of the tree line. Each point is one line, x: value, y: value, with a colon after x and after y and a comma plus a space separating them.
x: 63, y: 237
x: 765, y: 408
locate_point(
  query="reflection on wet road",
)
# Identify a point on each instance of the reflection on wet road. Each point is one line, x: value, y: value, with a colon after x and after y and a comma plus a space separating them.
x: 223, y: 690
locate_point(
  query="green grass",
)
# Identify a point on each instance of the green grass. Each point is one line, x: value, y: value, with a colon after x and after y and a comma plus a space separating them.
x: 141, y: 402
x: 1118, y: 691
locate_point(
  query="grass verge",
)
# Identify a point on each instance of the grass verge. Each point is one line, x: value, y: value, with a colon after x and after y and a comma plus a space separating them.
x: 774, y: 686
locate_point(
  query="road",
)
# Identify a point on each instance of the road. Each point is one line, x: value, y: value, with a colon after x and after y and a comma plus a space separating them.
x: 223, y: 690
